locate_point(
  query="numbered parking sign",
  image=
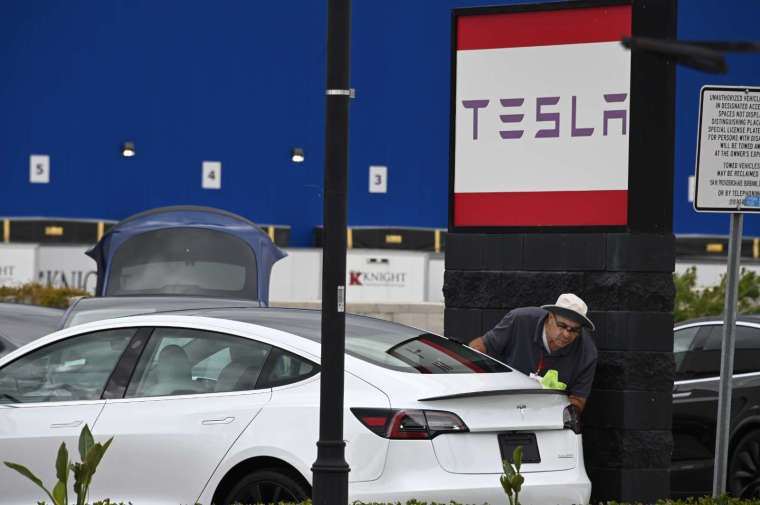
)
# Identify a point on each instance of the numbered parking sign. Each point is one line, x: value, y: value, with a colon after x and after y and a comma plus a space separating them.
x: 378, y: 179
x: 212, y: 175
x: 39, y: 169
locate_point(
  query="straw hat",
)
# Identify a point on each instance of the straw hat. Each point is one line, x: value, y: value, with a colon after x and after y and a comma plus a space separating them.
x: 572, y: 307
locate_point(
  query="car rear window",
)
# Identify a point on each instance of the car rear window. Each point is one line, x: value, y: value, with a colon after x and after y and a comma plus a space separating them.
x: 431, y: 354
x: 184, y: 261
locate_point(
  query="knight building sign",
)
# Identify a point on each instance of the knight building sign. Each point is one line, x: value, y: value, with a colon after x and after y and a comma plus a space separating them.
x: 728, y: 150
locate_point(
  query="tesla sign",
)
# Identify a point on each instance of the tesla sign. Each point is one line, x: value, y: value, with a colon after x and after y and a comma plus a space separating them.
x: 541, y: 117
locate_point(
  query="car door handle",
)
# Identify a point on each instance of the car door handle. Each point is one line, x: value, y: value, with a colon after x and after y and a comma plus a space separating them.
x: 224, y: 420
x: 685, y: 394
x: 72, y: 424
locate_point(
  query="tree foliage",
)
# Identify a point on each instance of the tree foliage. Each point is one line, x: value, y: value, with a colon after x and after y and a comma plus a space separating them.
x: 692, y: 302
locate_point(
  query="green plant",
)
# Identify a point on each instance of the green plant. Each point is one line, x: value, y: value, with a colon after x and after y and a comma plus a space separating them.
x: 692, y: 302
x: 512, y: 480
x: 90, y: 453
x: 38, y: 294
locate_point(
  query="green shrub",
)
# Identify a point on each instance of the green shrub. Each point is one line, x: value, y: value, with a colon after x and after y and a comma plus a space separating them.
x: 38, y: 294
x: 512, y: 481
x: 691, y: 302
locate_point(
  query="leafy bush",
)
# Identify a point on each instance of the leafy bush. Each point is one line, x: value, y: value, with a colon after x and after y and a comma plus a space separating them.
x: 692, y: 302
x: 38, y: 294
x: 512, y: 480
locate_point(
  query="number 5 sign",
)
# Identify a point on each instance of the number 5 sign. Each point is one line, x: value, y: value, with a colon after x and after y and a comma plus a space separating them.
x: 39, y: 169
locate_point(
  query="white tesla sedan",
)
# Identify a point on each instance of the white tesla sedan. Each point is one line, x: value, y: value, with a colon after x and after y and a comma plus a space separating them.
x: 222, y: 406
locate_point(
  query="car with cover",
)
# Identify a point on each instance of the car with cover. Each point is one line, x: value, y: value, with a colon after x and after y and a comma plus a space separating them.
x: 188, y: 251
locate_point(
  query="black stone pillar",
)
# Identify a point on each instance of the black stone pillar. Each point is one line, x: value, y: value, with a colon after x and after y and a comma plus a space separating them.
x: 626, y: 280
x: 624, y: 275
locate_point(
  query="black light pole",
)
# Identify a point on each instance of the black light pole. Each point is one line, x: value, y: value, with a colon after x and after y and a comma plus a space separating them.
x: 330, y: 470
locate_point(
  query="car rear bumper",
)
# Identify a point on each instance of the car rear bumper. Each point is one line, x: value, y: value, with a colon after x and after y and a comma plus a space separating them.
x: 412, y: 472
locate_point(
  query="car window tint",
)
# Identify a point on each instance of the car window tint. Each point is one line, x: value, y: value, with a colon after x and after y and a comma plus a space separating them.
x: 705, y: 362
x: 180, y: 361
x: 746, y: 348
x: 683, y: 338
x: 427, y: 354
x: 284, y: 368
x: 185, y: 261
x: 73, y: 369
x: 694, y: 363
x: 682, y: 342
x: 746, y: 337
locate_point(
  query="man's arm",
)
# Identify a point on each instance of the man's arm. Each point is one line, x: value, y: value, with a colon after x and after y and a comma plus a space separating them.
x: 579, y: 403
x: 581, y: 387
x: 479, y: 344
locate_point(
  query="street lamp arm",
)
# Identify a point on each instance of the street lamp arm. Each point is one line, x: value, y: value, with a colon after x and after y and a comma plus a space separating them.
x: 688, y: 54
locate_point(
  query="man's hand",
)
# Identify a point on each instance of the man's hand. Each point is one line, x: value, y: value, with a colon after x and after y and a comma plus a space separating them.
x: 479, y: 345
x: 579, y: 403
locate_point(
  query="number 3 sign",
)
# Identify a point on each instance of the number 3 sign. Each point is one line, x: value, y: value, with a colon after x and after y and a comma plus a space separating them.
x: 378, y: 179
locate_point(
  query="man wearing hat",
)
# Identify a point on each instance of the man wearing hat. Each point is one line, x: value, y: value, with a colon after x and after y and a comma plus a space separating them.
x: 534, y: 340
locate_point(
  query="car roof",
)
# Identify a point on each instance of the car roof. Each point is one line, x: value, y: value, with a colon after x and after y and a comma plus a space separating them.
x: 90, y: 309
x: 21, y: 323
x: 744, y: 318
x: 306, y: 323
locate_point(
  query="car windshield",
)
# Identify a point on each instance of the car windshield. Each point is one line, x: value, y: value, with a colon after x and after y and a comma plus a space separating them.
x: 383, y: 343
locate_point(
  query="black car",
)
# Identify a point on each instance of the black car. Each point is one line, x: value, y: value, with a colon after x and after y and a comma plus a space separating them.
x: 697, y: 349
x: 21, y: 323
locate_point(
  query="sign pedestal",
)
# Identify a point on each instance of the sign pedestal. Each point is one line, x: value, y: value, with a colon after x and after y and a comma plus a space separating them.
x: 564, y: 184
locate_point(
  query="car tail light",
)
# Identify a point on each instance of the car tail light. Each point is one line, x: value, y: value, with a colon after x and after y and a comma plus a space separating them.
x: 407, y: 424
x: 571, y: 419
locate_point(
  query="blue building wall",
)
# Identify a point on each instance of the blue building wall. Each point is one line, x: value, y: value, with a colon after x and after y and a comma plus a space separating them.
x: 242, y: 82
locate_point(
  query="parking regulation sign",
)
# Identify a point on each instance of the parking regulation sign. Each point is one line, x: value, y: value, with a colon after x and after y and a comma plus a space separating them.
x: 728, y: 150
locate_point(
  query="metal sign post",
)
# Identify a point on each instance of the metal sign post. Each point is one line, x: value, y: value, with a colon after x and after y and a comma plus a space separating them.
x: 727, y: 357
x: 330, y: 469
x: 728, y: 180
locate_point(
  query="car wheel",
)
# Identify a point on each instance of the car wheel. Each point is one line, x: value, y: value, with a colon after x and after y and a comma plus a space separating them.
x: 744, y: 469
x: 266, y: 486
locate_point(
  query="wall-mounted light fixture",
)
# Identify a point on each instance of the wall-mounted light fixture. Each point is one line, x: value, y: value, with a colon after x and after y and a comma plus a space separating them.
x: 128, y: 149
x: 297, y: 155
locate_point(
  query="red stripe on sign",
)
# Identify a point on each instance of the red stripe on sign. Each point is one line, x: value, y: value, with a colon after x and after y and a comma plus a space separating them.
x: 542, y: 208
x: 544, y: 28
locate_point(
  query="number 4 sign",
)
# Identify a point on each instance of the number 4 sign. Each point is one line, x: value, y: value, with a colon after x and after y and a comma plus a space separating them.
x: 212, y: 175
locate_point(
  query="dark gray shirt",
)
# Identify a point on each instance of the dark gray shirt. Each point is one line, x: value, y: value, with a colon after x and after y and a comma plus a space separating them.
x: 518, y: 341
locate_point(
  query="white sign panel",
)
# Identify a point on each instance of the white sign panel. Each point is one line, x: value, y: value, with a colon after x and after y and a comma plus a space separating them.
x: 39, y: 169
x: 66, y: 267
x: 728, y: 150
x: 18, y: 263
x: 212, y: 175
x: 542, y: 121
x: 386, y: 276
x: 378, y: 179
x: 297, y: 277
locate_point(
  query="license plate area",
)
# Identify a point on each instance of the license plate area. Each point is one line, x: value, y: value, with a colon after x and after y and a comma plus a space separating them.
x: 509, y: 441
